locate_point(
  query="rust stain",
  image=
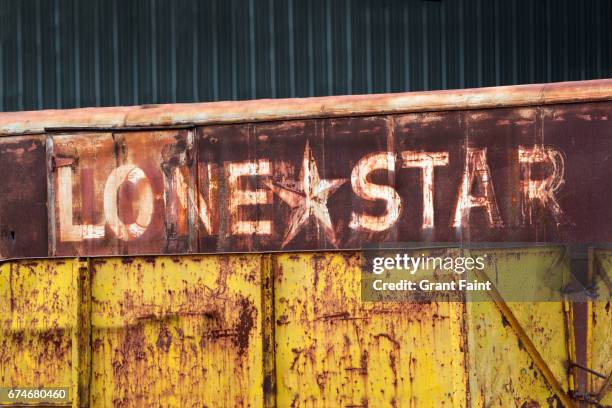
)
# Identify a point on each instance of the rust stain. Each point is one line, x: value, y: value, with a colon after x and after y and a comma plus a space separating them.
x: 245, y: 324
x: 164, y: 340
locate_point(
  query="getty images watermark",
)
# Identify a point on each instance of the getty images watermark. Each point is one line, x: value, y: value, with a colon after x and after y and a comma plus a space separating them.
x: 411, y: 264
x: 484, y: 272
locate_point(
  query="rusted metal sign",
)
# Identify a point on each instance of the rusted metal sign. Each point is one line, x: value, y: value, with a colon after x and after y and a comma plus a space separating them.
x: 522, y: 174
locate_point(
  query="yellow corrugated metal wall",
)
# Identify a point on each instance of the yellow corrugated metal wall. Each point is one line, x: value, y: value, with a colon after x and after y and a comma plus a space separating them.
x: 275, y: 330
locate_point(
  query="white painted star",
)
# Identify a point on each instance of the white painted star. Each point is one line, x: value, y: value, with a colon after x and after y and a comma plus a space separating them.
x: 307, y: 196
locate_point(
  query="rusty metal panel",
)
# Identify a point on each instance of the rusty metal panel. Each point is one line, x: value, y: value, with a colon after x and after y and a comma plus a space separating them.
x: 121, y: 193
x: 24, y: 197
x: 289, y: 329
x: 512, y: 128
x: 75, y: 185
x: 367, y: 138
x: 521, y: 174
x: 518, y: 351
x: 528, y: 174
x: 41, y: 341
x: 600, y: 329
x: 502, y: 372
x: 405, y: 178
x: 334, y: 350
x: 164, y: 331
x: 428, y: 134
x: 224, y: 223
x: 582, y: 133
x: 170, y: 331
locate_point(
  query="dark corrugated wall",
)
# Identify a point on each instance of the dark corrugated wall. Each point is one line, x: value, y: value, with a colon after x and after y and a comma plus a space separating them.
x: 70, y: 53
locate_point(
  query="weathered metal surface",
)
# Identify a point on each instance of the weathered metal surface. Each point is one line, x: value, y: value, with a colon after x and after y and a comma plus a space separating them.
x: 600, y: 329
x: 503, y: 372
x: 283, y: 109
x: 519, y: 351
x: 272, y: 330
x: 512, y: 174
x: 188, y: 329
x: 334, y: 350
x: 164, y: 331
x: 23, y: 206
x: 118, y: 193
x: 528, y: 173
x: 326, y: 174
x: 39, y: 330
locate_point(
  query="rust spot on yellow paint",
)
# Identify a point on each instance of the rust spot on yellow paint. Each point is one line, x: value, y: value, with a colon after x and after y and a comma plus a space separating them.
x: 245, y: 324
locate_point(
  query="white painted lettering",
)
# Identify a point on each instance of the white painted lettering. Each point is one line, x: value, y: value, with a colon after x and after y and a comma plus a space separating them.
x: 542, y: 190
x: 476, y: 168
x: 426, y: 161
x: 370, y: 191
x: 239, y: 197
x: 144, y: 205
x: 69, y: 232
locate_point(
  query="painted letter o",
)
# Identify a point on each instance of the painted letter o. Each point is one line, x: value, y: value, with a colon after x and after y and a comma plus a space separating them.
x: 132, y: 174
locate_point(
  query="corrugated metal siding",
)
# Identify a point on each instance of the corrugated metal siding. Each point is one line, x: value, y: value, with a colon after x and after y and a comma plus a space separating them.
x: 277, y: 330
x: 70, y: 53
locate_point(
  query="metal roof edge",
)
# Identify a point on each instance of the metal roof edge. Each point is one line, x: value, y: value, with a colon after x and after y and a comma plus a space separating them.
x: 32, y: 122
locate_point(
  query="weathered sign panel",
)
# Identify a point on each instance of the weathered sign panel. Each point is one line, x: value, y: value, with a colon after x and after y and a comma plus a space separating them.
x: 521, y: 173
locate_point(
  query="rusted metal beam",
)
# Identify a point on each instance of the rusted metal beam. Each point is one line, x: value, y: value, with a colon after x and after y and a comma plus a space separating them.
x: 580, y: 366
x: 13, y: 123
x: 268, y: 321
x: 604, y: 388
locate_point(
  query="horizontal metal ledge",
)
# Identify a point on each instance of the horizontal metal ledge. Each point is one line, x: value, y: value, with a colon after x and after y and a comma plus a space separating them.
x: 172, y: 115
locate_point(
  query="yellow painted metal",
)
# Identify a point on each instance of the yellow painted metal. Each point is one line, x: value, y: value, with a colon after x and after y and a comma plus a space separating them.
x: 275, y: 330
x: 519, y: 350
x: 135, y: 332
x: 332, y: 350
x: 38, y: 325
x: 177, y: 332
x: 600, y: 327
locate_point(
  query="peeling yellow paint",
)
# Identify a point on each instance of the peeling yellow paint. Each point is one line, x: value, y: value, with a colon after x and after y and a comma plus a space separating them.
x: 334, y: 350
x: 188, y: 328
x: 284, y: 330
